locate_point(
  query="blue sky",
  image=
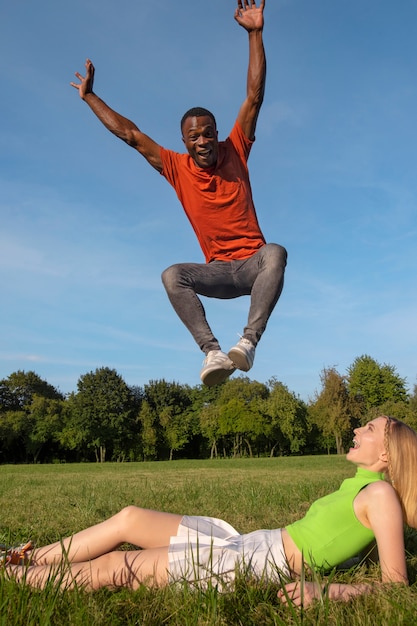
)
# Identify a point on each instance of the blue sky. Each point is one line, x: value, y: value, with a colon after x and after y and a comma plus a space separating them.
x: 87, y: 226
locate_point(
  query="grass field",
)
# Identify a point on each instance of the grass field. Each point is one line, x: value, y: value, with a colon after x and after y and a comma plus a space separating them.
x: 46, y: 502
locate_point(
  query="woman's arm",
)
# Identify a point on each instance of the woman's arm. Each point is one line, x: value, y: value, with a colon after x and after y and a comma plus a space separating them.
x: 303, y: 594
x: 385, y: 516
x: 380, y: 510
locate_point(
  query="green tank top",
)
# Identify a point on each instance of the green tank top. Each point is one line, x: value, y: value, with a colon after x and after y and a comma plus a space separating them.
x: 330, y: 532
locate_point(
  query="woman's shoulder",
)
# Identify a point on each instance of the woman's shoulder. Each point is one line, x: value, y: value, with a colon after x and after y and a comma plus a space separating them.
x: 378, y: 491
x: 379, y: 487
x: 377, y: 496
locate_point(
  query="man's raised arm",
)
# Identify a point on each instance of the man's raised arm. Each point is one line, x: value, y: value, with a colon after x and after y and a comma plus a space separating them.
x: 114, y: 122
x: 251, y: 18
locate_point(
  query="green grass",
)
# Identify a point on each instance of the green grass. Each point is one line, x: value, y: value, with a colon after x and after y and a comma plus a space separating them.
x: 46, y: 502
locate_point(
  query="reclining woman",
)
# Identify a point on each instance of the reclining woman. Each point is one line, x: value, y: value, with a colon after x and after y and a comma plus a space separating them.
x: 373, y: 505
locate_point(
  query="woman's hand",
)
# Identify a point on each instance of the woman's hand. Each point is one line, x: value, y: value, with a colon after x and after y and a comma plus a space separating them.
x: 300, y: 594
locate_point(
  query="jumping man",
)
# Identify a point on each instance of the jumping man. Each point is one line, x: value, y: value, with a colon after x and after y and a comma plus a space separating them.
x: 212, y: 183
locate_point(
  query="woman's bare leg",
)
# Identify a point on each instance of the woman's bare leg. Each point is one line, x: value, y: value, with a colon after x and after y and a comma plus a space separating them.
x: 141, y: 527
x: 114, y: 569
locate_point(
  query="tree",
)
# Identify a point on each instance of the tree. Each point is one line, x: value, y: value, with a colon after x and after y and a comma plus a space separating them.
x: 103, y: 411
x: 210, y: 426
x: 400, y: 410
x: 8, y: 400
x: 334, y: 411
x: 413, y: 398
x: 241, y: 418
x: 175, y: 423
x: 169, y: 403
x: 288, y: 423
x: 14, y: 430
x: 204, y: 420
x: 148, y: 420
x: 412, y: 420
x: 72, y: 436
x: 17, y: 391
x: 373, y: 384
x: 45, y: 416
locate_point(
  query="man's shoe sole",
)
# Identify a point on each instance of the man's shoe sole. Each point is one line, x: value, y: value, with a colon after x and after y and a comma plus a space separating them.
x: 239, y: 360
x: 216, y: 377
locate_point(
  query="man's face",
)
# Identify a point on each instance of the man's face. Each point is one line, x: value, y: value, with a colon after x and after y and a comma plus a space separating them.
x: 199, y: 135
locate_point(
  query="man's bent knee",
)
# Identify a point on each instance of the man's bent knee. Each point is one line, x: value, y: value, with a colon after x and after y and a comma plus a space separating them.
x: 274, y: 254
x: 171, y: 277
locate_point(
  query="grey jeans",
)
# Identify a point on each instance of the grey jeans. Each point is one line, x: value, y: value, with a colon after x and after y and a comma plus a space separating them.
x: 261, y: 276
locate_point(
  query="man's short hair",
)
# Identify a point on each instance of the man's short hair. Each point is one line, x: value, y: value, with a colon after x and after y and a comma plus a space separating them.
x: 197, y: 112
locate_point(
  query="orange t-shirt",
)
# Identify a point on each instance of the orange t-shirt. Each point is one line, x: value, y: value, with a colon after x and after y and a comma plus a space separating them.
x: 218, y: 200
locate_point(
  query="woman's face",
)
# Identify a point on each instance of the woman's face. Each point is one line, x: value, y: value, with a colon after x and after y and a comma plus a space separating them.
x: 368, y: 448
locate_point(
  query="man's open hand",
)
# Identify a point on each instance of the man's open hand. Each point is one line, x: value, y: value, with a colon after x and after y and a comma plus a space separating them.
x: 249, y: 16
x: 85, y: 86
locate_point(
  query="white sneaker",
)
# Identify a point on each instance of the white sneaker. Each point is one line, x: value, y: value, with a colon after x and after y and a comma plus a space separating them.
x: 243, y: 354
x: 216, y: 368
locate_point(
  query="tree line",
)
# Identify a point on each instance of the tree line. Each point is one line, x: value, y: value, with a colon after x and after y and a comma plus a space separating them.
x: 105, y: 419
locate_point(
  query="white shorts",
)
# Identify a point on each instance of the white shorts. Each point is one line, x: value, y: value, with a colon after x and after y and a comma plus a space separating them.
x: 209, y: 549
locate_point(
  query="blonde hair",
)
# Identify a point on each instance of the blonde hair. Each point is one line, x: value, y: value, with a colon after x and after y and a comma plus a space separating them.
x: 401, y: 447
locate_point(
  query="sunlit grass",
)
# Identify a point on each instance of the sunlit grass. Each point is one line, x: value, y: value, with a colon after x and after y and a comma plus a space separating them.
x: 44, y: 503
x: 47, y: 501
